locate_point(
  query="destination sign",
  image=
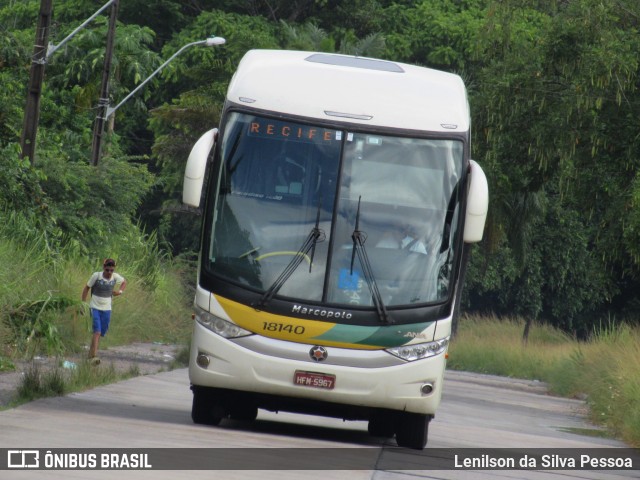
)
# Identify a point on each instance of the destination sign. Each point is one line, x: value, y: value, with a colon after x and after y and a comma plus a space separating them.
x: 291, y: 131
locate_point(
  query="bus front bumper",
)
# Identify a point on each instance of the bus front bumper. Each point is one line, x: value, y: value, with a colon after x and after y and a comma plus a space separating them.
x: 405, y: 386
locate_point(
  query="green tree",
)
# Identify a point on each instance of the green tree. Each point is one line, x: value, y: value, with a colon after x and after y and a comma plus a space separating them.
x: 557, y: 91
x: 434, y: 33
x: 306, y: 37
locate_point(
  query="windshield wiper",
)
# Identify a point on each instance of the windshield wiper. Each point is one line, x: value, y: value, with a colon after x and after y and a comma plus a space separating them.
x: 359, y: 237
x: 309, y: 245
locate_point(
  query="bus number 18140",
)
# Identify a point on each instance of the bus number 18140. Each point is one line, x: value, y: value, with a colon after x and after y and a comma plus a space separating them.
x: 283, y: 327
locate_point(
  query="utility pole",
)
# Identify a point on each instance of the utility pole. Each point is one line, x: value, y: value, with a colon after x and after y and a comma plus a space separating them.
x: 108, y: 111
x: 36, y: 76
x: 98, y: 127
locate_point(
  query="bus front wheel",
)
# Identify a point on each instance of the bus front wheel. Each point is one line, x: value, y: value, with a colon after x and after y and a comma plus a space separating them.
x: 204, y: 410
x: 382, y: 424
x: 412, y: 430
x: 243, y: 412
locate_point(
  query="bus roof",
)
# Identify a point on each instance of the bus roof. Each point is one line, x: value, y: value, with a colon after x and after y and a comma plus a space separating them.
x: 351, y: 89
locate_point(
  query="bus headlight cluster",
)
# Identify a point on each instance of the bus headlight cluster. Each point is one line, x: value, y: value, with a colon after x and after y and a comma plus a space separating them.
x: 419, y: 351
x: 219, y: 325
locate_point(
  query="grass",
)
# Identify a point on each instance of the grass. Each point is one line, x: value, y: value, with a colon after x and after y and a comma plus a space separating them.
x: 41, y: 281
x: 139, y: 315
x: 38, y: 383
x: 182, y: 357
x: 62, y: 325
x: 605, y: 369
x: 490, y: 346
x: 41, y: 312
x: 6, y: 365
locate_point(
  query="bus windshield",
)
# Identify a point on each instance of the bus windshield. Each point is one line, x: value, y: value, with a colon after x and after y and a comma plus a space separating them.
x: 291, y: 196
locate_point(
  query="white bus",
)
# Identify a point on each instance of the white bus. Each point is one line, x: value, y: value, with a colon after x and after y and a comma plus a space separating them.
x: 339, y: 198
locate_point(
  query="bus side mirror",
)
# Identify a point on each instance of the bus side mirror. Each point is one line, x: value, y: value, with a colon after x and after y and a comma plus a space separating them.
x: 196, y: 167
x: 477, y: 205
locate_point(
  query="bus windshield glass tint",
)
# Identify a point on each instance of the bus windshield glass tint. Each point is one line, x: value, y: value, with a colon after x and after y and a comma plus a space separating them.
x: 279, y: 180
x: 403, y: 194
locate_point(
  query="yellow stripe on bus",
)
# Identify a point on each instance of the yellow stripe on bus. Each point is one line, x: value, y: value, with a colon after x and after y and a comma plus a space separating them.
x: 284, y: 328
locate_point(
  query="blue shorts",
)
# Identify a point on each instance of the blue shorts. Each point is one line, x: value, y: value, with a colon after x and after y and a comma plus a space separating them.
x: 101, y: 320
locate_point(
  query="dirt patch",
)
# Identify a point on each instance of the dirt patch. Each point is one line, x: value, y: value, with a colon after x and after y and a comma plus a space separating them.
x: 147, y: 358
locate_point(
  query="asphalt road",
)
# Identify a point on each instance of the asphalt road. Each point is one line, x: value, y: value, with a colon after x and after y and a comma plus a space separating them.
x: 153, y: 412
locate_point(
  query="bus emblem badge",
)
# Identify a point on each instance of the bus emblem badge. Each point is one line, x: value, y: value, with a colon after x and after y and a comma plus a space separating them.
x: 318, y: 353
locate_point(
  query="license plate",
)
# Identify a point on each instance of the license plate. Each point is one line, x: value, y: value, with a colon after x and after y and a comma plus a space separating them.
x: 314, y: 380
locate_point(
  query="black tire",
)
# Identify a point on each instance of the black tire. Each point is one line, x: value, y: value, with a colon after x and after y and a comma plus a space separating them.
x: 244, y: 413
x: 413, y: 430
x: 204, y: 410
x: 382, y: 424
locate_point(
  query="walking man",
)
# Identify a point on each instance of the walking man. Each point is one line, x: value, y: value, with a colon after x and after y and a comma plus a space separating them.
x: 102, y: 286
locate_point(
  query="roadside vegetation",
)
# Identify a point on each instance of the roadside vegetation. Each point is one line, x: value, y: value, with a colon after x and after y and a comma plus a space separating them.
x: 553, y: 89
x: 42, y: 314
x: 605, y: 369
x: 41, y: 283
x: 38, y: 383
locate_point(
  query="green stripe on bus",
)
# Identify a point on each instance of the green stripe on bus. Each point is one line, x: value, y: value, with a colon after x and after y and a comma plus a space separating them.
x: 383, y: 336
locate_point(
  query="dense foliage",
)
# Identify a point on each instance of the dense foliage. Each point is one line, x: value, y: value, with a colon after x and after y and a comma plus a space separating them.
x: 553, y: 87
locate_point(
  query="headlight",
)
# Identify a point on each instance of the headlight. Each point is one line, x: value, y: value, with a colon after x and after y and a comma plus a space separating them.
x: 218, y: 325
x: 419, y: 351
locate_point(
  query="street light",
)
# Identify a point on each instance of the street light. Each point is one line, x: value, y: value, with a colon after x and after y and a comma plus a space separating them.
x: 209, y: 42
x: 105, y: 113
